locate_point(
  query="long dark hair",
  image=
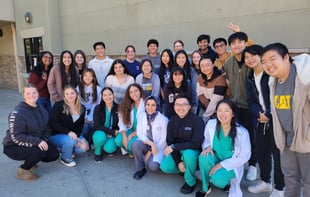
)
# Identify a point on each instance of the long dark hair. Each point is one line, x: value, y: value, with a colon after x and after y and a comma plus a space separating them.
x: 233, y: 124
x: 94, y: 83
x: 74, y: 79
x: 126, y: 105
x: 102, y: 103
x: 171, y: 86
x: 117, y: 61
x: 187, y: 66
x: 163, y: 67
x: 39, y: 69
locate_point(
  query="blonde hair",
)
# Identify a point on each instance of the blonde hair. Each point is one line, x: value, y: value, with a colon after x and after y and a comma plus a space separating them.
x: 29, y: 85
x: 77, y: 102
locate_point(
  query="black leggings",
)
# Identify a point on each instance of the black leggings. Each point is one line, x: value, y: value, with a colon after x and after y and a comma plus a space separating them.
x: 31, y: 155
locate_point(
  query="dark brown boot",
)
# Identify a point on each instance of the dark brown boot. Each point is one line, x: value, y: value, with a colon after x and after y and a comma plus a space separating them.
x: 26, y: 175
x: 34, y: 167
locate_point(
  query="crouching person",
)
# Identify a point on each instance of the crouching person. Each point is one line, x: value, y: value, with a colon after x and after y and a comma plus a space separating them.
x: 184, y: 139
x: 148, y: 149
x: 66, y: 121
x: 26, y: 138
x: 226, y: 148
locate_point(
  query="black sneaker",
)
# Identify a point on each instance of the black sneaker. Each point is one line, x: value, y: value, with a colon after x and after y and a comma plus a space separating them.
x: 226, y: 188
x: 186, y: 189
x: 201, y: 193
x: 139, y: 174
x: 98, y: 158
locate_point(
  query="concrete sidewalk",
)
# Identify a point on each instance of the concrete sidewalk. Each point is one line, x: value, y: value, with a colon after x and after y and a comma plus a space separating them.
x: 112, y: 177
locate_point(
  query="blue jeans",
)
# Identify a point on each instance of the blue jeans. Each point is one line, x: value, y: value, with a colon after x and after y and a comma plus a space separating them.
x: 67, y: 145
x: 46, y: 103
x: 87, y: 131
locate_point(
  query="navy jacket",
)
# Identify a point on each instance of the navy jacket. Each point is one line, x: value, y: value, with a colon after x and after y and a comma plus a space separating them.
x: 185, y: 133
x: 252, y: 95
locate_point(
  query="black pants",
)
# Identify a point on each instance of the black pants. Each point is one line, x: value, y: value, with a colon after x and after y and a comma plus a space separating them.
x: 265, y: 148
x: 31, y: 155
x: 245, y: 118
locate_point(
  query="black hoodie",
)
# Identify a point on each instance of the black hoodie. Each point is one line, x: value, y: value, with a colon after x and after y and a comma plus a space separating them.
x: 28, y: 126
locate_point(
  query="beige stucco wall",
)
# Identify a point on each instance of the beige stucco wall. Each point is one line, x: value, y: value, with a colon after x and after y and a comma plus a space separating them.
x: 6, y: 10
x: 6, y: 41
x: 119, y: 22
x: 45, y: 23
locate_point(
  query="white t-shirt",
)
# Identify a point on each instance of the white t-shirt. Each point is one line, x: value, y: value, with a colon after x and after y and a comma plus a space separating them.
x: 101, y: 68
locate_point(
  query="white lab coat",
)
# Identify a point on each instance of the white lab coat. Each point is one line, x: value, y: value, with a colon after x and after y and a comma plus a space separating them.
x: 242, y: 153
x: 159, y: 133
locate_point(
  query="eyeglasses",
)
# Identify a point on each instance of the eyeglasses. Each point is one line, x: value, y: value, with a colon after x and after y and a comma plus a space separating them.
x: 181, y: 104
x: 47, y: 57
x: 219, y: 46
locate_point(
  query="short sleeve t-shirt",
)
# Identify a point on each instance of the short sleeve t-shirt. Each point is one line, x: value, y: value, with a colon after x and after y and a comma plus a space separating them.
x: 283, y: 103
x: 147, y: 86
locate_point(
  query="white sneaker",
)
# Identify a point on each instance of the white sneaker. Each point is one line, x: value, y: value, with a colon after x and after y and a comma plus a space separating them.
x: 261, y: 186
x: 68, y: 162
x: 124, y: 152
x: 277, y: 193
x: 252, y: 173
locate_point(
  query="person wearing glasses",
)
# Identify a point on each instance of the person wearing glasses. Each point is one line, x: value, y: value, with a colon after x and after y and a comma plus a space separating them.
x: 184, y: 139
x: 220, y: 47
x: 38, y: 77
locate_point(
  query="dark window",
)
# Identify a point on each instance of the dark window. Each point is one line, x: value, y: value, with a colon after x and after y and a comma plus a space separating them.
x: 33, y: 46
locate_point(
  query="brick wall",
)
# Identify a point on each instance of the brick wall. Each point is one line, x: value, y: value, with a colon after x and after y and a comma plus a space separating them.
x: 8, y: 76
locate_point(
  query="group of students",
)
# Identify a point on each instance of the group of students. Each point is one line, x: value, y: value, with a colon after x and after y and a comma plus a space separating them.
x: 212, y: 114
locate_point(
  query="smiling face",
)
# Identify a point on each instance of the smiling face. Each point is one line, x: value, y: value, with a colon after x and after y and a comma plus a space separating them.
x: 203, y: 44
x: 79, y: 59
x: 70, y: 95
x: 206, y: 67
x: 30, y: 95
x: 224, y: 113
x: 237, y: 46
x: 46, y: 59
x: 134, y: 93
x: 100, y: 51
x: 130, y: 53
x: 146, y: 67
x: 177, y: 46
x: 119, y: 69
x: 196, y: 58
x: 152, y: 48
x: 150, y: 106
x: 177, y: 78
x: 181, y: 60
x: 165, y: 58
x: 182, y: 107
x: 275, y: 65
x: 252, y: 61
x: 220, y: 48
x: 87, y: 78
x: 107, y: 97
x: 66, y: 59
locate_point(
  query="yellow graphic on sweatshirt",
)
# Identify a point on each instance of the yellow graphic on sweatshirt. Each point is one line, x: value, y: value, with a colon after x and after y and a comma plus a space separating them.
x: 282, y: 102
